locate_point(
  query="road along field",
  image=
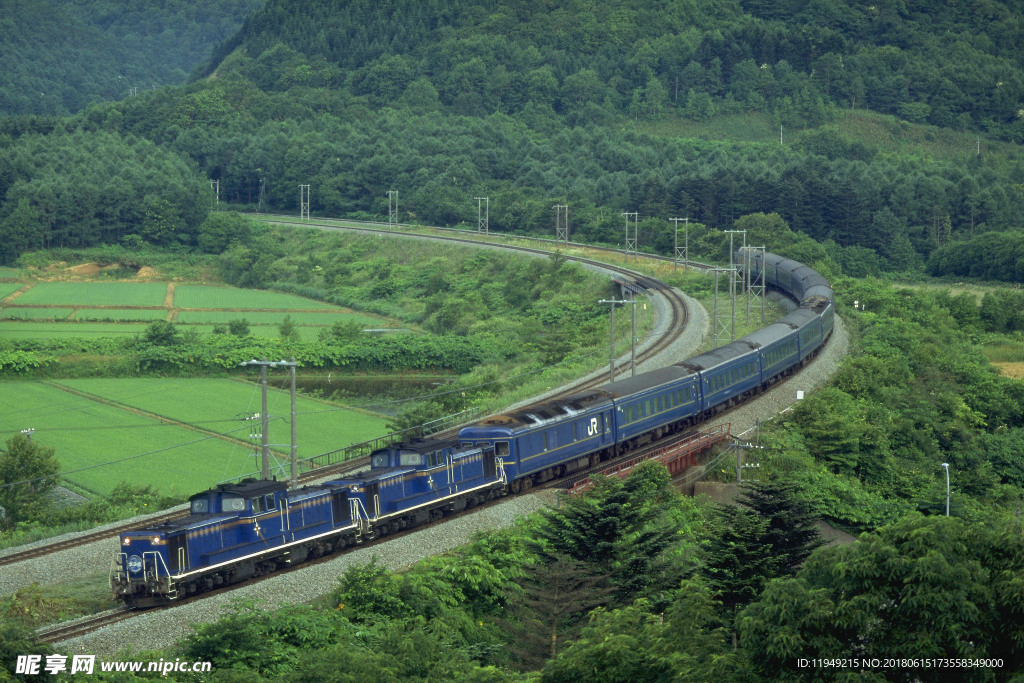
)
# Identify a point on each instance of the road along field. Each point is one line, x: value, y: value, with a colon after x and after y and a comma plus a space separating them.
x: 179, y: 435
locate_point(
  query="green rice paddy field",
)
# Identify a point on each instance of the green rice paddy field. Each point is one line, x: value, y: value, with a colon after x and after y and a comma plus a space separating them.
x: 8, y: 288
x: 147, y: 431
x: 95, y: 293
x: 73, y: 309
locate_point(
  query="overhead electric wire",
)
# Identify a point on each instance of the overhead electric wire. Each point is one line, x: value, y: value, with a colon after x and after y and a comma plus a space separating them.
x: 127, y: 458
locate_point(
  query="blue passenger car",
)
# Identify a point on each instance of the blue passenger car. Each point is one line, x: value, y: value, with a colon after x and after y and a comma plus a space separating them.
x: 548, y: 439
x: 726, y: 374
x: 808, y: 325
x: 651, y: 403
x: 778, y: 345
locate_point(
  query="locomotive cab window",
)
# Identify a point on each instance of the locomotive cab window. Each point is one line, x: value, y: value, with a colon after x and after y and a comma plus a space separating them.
x: 501, y: 448
x: 257, y: 505
x: 269, y: 503
x: 233, y: 504
x: 410, y: 458
x: 200, y: 505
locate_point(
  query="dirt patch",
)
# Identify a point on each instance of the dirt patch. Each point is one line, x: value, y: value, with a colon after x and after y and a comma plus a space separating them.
x: 85, y: 269
x: 169, y: 297
x: 1014, y: 370
x: 146, y: 271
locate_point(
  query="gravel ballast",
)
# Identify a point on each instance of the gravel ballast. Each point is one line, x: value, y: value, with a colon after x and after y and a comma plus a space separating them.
x: 163, y: 627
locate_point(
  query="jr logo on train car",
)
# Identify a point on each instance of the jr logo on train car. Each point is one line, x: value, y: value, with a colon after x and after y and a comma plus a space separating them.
x: 592, y: 429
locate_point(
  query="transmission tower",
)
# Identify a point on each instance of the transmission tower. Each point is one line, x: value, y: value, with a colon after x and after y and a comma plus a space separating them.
x: 734, y: 278
x: 681, y: 255
x: 392, y: 208
x: 721, y: 323
x: 757, y: 286
x: 304, y: 202
x: 562, y: 228
x: 483, y: 219
x: 631, y: 243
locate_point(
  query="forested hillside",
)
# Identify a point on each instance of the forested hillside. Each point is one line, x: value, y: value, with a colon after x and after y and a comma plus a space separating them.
x: 887, y: 150
x: 60, y: 55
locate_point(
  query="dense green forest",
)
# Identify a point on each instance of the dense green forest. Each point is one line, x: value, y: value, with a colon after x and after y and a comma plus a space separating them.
x: 585, y: 103
x: 61, y: 55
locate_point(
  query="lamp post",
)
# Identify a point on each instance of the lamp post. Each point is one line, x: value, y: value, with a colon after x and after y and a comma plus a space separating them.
x: 945, y: 466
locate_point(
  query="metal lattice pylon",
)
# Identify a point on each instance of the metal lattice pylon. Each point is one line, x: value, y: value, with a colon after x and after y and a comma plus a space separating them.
x: 304, y: 202
x: 562, y: 226
x: 631, y: 242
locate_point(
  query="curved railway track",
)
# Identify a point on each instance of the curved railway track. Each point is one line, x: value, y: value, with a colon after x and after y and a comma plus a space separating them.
x: 677, y: 320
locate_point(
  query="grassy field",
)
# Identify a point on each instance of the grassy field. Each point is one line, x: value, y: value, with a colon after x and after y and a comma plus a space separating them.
x: 199, y: 296
x: 118, y: 314
x: 41, y: 330
x: 71, y: 307
x: 36, y: 313
x: 1014, y: 370
x: 219, y: 403
x: 274, y: 318
x: 102, y: 443
x: 96, y: 293
x: 8, y: 288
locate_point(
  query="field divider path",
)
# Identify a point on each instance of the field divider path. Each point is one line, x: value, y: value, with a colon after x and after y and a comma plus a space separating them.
x: 153, y: 416
x: 14, y: 295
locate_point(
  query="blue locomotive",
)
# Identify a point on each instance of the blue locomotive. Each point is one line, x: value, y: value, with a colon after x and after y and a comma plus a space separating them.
x: 238, y: 531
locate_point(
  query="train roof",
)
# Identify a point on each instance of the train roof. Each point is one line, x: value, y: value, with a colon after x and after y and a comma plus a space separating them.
x: 248, y: 488
x: 772, y: 333
x: 723, y: 354
x: 799, y: 317
x: 424, y: 445
x: 647, y: 380
x: 539, y: 413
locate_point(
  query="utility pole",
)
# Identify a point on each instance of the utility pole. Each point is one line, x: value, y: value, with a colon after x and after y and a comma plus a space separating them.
x: 732, y: 278
x: 263, y: 364
x: 215, y: 186
x: 294, y: 450
x: 27, y: 433
x: 632, y: 336
x: 611, y: 342
x: 304, y: 202
x: 392, y: 208
x: 259, y: 205
x: 945, y: 466
x: 562, y: 229
x: 483, y: 221
x: 684, y: 255
x: 631, y: 244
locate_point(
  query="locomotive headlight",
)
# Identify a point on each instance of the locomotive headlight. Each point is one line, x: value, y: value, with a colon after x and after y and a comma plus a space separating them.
x: 156, y: 540
x: 127, y: 541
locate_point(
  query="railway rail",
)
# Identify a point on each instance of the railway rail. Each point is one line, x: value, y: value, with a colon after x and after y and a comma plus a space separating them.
x: 677, y: 320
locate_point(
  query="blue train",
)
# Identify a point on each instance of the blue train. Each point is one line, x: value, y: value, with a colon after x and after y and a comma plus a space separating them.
x: 239, y: 531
